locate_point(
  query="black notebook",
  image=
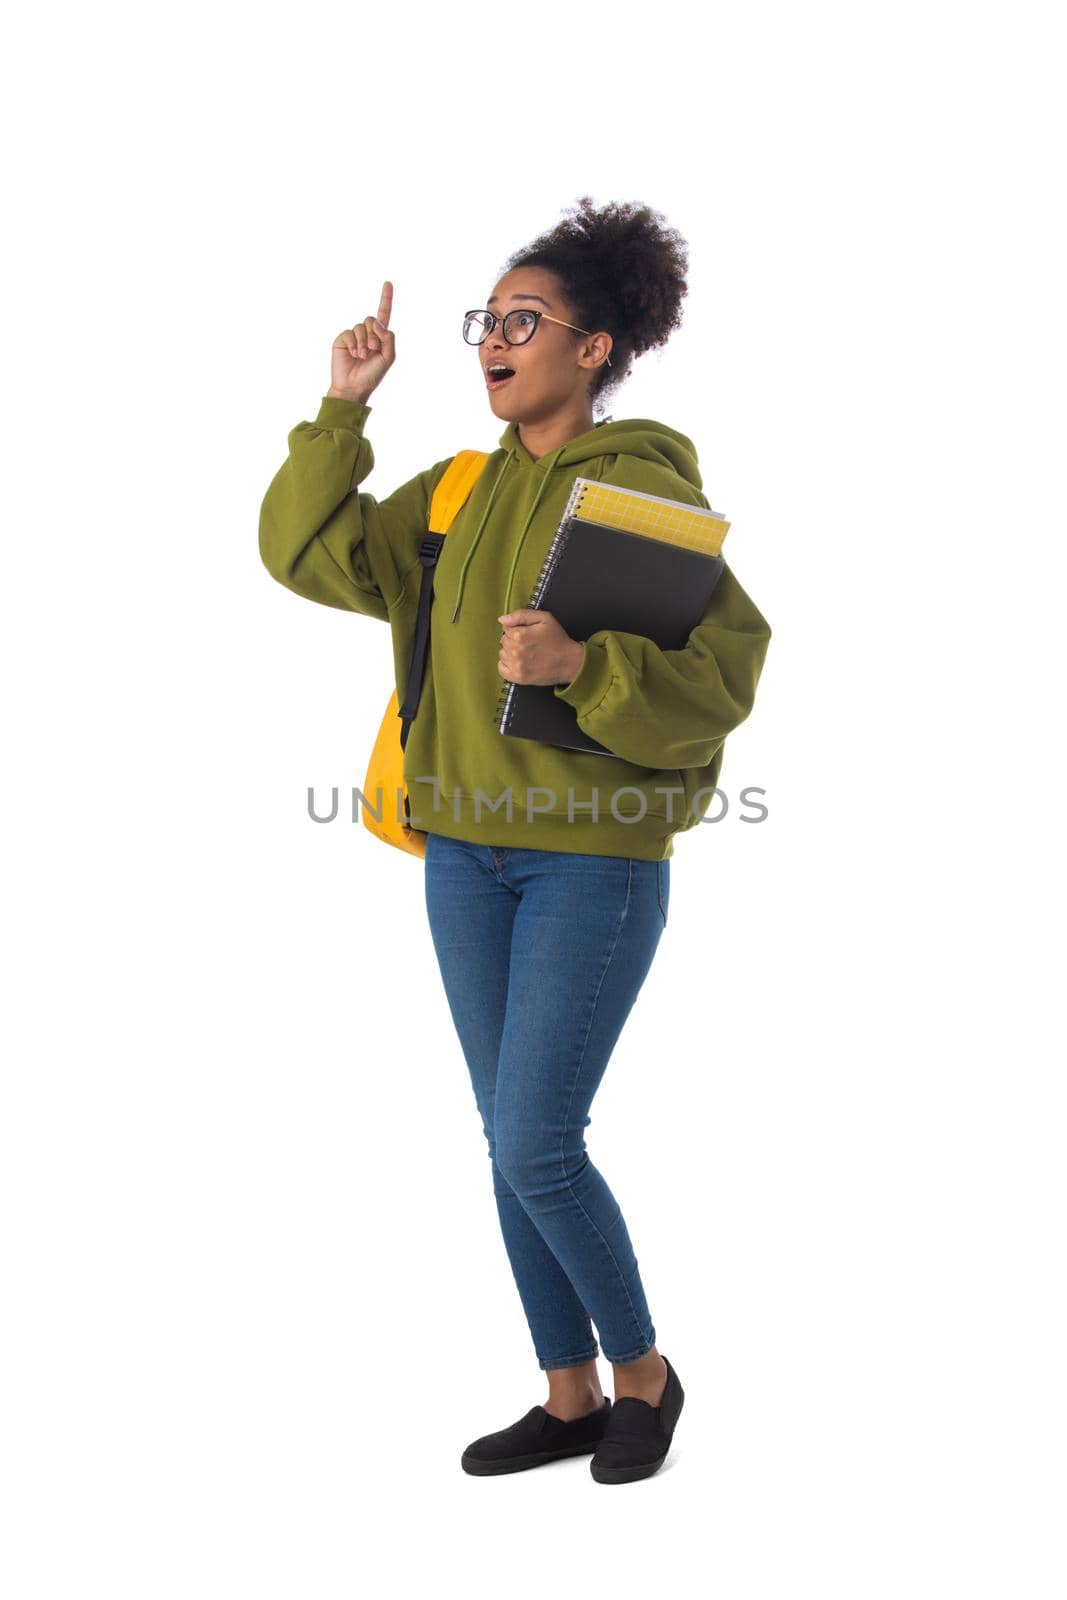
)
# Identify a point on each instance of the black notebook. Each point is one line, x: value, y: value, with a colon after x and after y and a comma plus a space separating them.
x: 624, y: 560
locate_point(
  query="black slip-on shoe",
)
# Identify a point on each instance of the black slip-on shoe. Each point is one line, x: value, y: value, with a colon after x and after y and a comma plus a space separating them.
x: 535, y: 1439
x: 638, y: 1435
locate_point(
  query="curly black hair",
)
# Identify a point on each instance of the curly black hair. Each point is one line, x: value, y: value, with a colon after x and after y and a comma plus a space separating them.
x: 622, y: 271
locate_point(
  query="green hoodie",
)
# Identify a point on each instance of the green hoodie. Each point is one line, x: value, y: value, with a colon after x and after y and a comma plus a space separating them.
x: 665, y: 713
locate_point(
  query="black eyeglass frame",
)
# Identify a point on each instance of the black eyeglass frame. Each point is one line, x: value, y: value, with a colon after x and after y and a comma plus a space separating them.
x: 517, y: 311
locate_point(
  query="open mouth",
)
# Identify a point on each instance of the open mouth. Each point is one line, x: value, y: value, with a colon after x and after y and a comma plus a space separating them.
x: 497, y: 375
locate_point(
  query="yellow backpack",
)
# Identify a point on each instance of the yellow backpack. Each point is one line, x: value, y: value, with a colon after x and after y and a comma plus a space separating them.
x: 386, y: 769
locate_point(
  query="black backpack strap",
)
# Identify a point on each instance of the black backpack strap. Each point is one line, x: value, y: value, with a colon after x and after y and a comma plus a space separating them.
x: 429, y: 550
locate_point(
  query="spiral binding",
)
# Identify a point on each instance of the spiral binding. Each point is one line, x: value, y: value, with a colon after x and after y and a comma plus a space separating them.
x: 505, y: 699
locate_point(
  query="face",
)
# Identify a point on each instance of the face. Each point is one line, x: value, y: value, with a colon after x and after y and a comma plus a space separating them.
x: 554, y: 367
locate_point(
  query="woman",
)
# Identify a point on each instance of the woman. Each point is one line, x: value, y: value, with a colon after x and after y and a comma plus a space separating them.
x: 547, y: 870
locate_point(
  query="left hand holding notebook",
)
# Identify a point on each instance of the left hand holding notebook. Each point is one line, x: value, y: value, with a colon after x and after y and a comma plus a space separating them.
x: 536, y: 649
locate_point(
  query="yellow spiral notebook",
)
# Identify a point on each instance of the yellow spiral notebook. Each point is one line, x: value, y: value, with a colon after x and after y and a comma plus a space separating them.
x: 624, y: 560
x: 630, y: 511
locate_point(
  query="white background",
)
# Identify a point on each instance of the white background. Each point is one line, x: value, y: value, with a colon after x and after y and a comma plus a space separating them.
x: 257, y: 1299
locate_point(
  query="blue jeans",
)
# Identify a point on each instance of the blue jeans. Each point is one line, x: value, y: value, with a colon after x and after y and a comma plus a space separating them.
x: 542, y: 954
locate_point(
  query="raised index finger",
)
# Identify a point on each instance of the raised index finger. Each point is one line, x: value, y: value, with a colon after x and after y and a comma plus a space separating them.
x: 385, y: 304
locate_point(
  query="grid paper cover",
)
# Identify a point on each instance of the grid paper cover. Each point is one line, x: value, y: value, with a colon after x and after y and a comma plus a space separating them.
x: 649, y: 515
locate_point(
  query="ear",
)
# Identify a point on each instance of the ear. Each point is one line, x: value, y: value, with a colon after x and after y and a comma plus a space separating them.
x: 598, y: 350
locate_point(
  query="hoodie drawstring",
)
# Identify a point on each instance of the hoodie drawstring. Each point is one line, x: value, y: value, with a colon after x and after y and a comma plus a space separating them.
x: 526, y: 524
x: 478, y: 534
x: 511, y: 456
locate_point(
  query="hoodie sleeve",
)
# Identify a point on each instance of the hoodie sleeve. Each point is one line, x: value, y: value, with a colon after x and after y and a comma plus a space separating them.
x: 672, y: 708
x: 322, y: 538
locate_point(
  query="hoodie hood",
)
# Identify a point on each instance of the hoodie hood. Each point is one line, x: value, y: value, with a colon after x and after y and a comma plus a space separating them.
x: 584, y: 456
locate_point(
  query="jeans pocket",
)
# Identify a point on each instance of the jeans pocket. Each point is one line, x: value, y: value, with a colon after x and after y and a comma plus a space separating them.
x: 663, y: 887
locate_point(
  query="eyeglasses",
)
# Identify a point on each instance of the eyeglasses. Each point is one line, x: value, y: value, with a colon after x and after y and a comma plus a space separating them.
x: 518, y: 327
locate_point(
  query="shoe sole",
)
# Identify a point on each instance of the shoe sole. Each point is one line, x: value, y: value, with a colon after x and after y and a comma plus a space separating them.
x: 541, y: 1458
x: 644, y: 1469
